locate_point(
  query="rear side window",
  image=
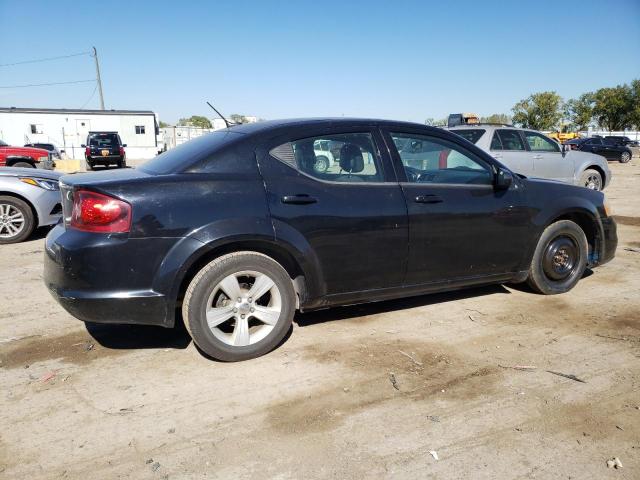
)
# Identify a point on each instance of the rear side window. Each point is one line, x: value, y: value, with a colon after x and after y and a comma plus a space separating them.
x: 540, y: 143
x: 510, y: 139
x: 594, y: 141
x: 344, y: 158
x: 471, y: 134
x: 200, y: 151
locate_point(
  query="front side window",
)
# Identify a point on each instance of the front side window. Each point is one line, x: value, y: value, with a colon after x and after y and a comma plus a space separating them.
x: 594, y: 141
x: 346, y: 158
x: 470, y: 134
x: 540, y: 143
x: 510, y: 139
x: 434, y: 160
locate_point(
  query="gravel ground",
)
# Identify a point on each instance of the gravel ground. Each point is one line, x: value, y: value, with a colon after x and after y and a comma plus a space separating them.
x: 359, y: 392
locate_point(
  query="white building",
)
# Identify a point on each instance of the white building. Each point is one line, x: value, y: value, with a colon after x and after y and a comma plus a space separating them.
x: 67, y: 129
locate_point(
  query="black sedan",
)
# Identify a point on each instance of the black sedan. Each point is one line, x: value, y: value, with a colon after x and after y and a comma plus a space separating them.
x: 235, y: 231
x: 606, y: 147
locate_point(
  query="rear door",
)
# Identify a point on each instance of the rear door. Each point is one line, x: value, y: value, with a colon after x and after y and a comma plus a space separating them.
x: 548, y: 161
x: 351, y: 216
x: 508, y: 148
x: 459, y: 226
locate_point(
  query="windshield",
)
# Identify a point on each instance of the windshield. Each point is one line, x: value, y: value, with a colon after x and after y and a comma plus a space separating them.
x: 470, y: 134
x: 189, y: 153
x: 104, y: 140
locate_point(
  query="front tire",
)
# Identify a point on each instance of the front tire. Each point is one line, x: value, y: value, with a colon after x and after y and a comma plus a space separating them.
x: 17, y: 220
x: 239, y: 306
x: 625, y: 157
x: 591, y: 179
x: 560, y: 258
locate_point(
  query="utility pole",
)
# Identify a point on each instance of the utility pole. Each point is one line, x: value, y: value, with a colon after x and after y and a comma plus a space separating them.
x: 95, y: 56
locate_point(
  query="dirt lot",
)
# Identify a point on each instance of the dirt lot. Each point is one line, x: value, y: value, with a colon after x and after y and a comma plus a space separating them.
x: 132, y: 402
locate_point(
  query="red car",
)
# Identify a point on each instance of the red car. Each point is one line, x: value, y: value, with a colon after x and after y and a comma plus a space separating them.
x: 25, y: 157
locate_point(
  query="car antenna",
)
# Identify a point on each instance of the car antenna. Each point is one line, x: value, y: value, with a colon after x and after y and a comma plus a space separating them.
x: 220, y: 115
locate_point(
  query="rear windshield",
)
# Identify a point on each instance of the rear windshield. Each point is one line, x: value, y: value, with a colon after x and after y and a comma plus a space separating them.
x: 470, y: 134
x: 178, y: 159
x: 104, y: 140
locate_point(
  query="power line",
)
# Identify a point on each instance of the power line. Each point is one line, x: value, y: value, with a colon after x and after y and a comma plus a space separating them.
x: 92, y: 94
x: 46, y: 84
x: 44, y: 59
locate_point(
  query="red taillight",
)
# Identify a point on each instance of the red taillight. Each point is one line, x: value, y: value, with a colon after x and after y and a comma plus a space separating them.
x: 122, y: 151
x: 95, y: 212
x: 87, y: 151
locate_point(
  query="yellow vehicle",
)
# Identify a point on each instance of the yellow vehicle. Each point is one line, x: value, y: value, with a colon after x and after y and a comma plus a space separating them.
x: 563, y: 136
x: 456, y: 119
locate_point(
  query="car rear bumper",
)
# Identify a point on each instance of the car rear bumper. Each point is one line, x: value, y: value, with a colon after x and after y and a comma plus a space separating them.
x: 102, y: 278
x: 108, y: 160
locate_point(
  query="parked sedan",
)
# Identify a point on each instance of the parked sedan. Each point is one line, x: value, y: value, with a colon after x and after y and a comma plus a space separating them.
x: 236, y: 230
x: 609, y: 149
x: 29, y: 198
x: 533, y: 154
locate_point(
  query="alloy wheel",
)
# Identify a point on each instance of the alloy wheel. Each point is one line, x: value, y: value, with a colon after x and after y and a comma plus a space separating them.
x: 593, y: 182
x: 243, y: 308
x: 625, y: 157
x: 11, y: 221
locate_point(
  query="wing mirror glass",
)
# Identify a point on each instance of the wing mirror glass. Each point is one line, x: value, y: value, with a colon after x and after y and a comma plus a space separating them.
x: 83, y: 145
x: 504, y: 179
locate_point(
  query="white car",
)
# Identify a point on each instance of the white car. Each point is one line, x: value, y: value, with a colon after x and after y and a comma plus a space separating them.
x: 30, y: 198
x: 533, y: 154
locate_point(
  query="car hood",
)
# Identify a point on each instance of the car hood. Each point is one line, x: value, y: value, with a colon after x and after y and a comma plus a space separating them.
x: 29, y: 172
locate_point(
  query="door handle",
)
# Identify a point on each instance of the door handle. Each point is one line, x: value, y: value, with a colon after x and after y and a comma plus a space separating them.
x: 428, y: 199
x: 301, y: 199
x: 537, y: 157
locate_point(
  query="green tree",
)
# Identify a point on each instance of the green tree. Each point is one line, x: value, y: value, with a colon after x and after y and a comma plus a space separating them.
x: 195, y: 121
x: 236, y: 118
x: 541, y: 111
x: 163, y: 124
x: 635, y: 99
x: 578, y: 112
x: 614, y: 107
x: 496, y: 118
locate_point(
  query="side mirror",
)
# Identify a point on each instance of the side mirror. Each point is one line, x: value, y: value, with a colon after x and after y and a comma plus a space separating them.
x: 124, y: 145
x: 83, y: 145
x: 504, y: 179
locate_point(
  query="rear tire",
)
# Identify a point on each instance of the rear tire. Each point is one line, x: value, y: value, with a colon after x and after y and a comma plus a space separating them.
x: 239, y: 306
x: 560, y: 258
x: 591, y: 179
x: 625, y: 157
x: 17, y: 220
x: 23, y: 165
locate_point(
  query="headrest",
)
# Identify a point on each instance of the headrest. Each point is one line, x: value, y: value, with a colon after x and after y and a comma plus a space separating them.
x: 351, y: 158
x: 305, y: 156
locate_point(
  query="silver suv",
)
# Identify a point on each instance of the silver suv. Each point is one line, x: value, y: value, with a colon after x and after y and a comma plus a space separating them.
x: 533, y: 154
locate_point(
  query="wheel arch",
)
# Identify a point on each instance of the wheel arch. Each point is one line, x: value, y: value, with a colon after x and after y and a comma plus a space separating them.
x: 12, y: 160
x: 589, y: 224
x: 299, y: 273
x: 4, y: 193
x: 598, y: 169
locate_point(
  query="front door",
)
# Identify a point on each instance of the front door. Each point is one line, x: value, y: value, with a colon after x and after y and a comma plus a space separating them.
x: 349, y: 211
x: 548, y: 160
x: 459, y: 225
x: 508, y: 148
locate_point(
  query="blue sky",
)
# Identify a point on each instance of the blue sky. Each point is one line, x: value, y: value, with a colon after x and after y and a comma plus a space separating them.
x: 406, y: 60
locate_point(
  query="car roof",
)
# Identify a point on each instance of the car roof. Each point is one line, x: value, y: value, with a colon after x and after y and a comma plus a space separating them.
x: 268, y: 125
